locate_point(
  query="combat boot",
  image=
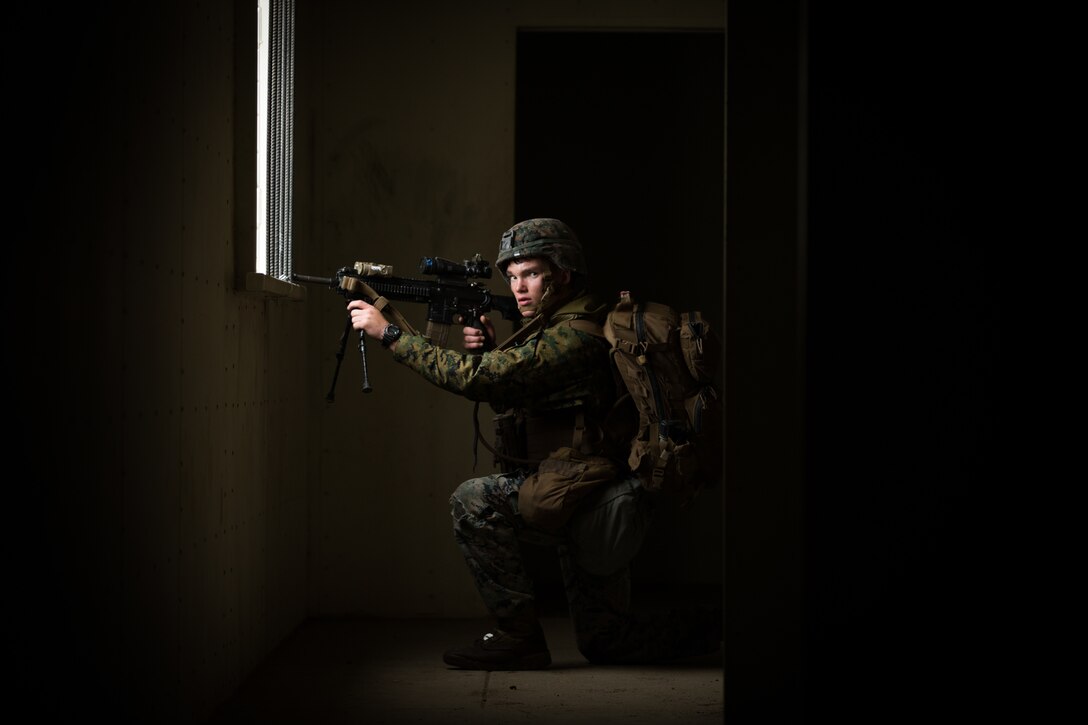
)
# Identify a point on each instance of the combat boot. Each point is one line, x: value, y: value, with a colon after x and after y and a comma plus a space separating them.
x: 515, y: 647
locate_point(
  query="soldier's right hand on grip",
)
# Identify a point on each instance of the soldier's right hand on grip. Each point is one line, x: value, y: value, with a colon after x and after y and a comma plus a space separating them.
x: 480, y: 338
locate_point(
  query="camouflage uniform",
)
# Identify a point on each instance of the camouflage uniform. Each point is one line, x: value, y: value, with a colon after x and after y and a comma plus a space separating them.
x: 555, y: 368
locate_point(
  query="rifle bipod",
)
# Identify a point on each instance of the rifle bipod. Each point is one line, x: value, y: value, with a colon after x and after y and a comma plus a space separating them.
x: 331, y: 395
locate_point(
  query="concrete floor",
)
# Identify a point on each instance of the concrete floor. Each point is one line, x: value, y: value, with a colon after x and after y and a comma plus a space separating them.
x: 389, y: 672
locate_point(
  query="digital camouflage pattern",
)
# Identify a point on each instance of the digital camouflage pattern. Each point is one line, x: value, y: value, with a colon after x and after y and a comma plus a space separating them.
x: 554, y: 368
x: 489, y: 532
x: 548, y: 238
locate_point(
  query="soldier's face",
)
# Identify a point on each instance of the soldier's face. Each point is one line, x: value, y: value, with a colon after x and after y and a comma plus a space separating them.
x: 528, y: 281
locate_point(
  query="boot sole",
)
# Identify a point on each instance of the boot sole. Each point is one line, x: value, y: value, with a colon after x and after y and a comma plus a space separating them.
x: 536, y: 661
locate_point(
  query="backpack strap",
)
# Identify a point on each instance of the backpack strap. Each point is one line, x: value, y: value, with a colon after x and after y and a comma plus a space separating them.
x: 585, y: 313
x: 587, y: 326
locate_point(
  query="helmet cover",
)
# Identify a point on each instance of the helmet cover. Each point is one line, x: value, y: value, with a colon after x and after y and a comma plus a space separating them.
x: 542, y: 237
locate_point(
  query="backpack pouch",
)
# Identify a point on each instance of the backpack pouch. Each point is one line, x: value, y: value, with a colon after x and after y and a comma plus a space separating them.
x: 549, y: 496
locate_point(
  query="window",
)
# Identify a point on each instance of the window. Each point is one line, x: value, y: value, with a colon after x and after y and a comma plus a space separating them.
x: 275, y: 144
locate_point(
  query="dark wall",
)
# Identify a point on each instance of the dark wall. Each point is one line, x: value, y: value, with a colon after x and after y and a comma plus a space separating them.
x: 901, y: 355
x: 58, y: 106
x: 907, y: 579
x: 764, y: 366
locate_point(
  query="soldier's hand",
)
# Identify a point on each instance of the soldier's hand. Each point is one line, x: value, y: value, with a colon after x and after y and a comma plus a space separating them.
x: 476, y: 340
x: 367, y: 318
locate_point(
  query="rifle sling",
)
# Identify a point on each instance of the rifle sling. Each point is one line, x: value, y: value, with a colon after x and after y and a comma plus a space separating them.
x: 382, y: 304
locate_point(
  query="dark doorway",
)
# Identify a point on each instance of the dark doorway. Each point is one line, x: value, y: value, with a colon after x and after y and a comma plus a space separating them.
x: 621, y: 135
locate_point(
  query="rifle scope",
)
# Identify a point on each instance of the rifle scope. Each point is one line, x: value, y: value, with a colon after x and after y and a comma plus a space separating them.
x: 475, y: 267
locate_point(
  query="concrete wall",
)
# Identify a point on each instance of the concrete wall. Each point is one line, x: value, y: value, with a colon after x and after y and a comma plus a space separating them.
x: 170, y: 468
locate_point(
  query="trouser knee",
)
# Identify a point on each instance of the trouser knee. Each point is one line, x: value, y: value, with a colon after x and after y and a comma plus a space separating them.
x: 468, y: 498
x: 482, y: 503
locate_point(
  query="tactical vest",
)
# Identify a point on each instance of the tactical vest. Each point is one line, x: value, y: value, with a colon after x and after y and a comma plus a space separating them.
x: 523, y: 438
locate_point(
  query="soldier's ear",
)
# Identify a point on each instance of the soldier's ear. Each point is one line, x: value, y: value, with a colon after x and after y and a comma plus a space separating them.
x: 560, y: 276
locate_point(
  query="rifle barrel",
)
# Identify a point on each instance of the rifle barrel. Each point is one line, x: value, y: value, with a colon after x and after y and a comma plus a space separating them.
x: 327, y: 281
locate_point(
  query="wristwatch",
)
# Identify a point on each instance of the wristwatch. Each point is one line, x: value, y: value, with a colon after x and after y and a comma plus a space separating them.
x: 390, y: 334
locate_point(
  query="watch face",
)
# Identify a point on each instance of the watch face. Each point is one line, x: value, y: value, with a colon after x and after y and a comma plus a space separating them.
x: 391, y: 333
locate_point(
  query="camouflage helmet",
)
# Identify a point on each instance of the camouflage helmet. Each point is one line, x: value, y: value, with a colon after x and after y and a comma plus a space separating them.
x: 548, y: 238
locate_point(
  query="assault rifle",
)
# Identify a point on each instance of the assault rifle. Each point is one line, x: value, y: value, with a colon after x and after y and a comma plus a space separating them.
x: 452, y: 299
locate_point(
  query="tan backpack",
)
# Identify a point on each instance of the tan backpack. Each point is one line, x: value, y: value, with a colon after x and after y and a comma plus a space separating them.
x: 668, y: 361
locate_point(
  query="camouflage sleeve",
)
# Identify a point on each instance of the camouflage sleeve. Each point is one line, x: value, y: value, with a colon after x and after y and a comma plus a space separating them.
x: 557, y: 359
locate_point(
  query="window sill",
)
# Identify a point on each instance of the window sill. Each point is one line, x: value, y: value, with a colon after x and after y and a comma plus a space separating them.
x: 265, y: 286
